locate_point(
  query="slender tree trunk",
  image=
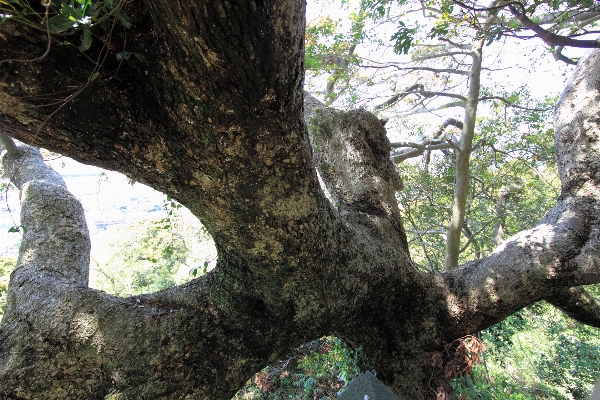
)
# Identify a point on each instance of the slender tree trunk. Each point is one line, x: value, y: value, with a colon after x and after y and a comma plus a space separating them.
x: 463, y: 151
x: 463, y: 155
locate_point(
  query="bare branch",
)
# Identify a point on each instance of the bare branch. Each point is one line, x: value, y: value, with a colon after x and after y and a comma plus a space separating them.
x: 431, y: 232
x: 448, y: 122
x: 416, y: 149
x: 440, y: 55
x: 508, y: 103
x: 458, y: 45
x: 427, y: 110
x: 505, y: 193
x: 398, y: 158
x: 518, y: 10
x: 417, y: 88
x: 581, y: 18
x: 422, y: 146
x: 428, y: 69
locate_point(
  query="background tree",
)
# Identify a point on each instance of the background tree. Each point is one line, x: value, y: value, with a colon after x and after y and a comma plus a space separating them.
x: 442, y: 71
x: 217, y: 120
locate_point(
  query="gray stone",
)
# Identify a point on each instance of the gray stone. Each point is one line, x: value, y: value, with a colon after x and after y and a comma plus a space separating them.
x: 367, y: 387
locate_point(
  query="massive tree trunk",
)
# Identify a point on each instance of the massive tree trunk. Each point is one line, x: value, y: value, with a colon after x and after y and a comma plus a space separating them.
x: 299, y: 199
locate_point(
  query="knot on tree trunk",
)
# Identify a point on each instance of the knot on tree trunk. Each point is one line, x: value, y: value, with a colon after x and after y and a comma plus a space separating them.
x: 352, y: 155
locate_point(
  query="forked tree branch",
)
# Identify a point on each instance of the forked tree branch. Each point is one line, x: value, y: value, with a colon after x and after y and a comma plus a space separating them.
x: 518, y: 10
x: 416, y: 149
x: 547, y: 36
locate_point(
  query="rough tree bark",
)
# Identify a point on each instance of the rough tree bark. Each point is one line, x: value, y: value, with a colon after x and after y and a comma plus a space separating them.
x: 217, y: 120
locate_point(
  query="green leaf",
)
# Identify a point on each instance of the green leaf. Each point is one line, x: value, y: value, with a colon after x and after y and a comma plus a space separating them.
x: 86, y: 38
x: 123, y: 55
x: 60, y: 23
x: 403, y: 38
x: 140, y: 57
x: 94, y: 76
x: 124, y: 20
x: 14, y: 229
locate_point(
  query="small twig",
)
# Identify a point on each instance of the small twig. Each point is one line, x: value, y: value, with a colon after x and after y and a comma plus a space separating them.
x: 47, y: 5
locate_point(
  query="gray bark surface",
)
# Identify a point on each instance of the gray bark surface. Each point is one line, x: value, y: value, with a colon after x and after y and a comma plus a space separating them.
x: 217, y: 120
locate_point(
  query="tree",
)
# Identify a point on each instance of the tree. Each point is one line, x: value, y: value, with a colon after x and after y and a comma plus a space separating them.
x: 213, y: 114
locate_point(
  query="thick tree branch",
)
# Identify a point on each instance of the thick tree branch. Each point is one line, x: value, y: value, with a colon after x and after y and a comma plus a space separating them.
x: 577, y: 303
x: 368, y: 181
x: 65, y: 253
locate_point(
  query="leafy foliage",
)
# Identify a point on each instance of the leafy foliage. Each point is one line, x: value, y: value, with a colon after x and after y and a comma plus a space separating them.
x: 537, y: 353
x: 153, y: 254
x: 317, y: 370
x: 66, y: 16
x: 403, y: 38
x: 513, y: 163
